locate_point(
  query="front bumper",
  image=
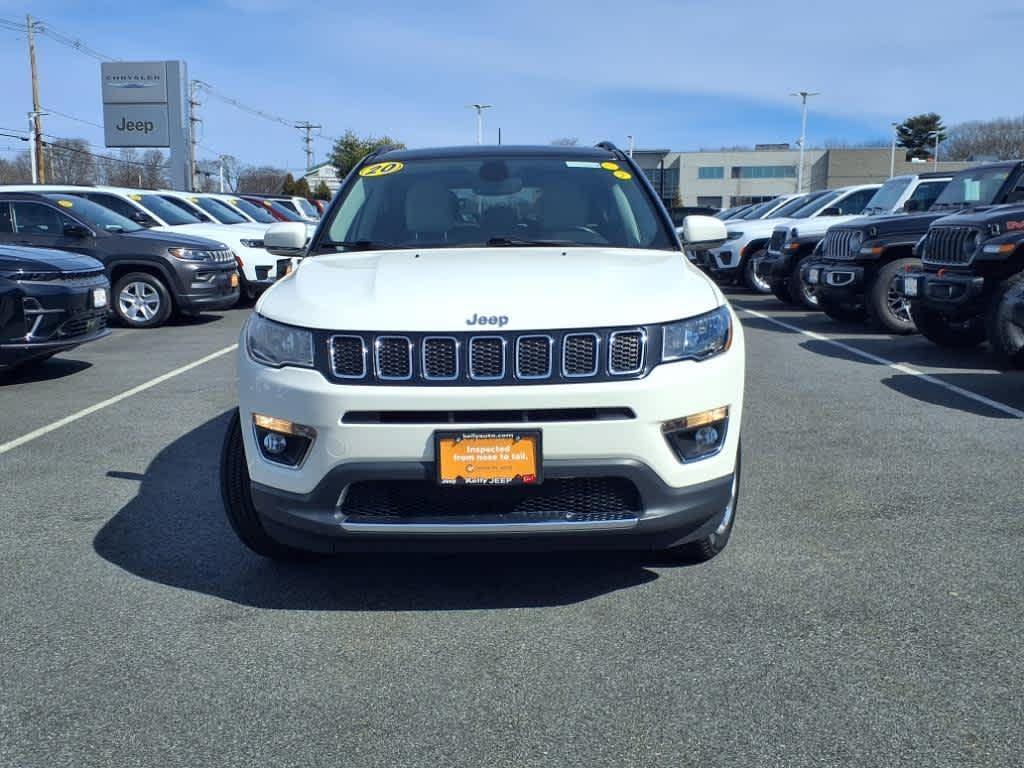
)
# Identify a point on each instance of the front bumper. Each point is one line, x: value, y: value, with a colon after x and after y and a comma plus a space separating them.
x: 775, y: 266
x: 209, y: 287
x: 835, y: 280
x: 677, y: 500
x: 954, y: 294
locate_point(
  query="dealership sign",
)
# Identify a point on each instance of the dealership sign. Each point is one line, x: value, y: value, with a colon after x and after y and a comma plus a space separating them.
x: 145, y: 104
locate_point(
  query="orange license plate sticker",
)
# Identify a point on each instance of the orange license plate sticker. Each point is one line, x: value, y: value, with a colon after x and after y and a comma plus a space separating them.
x: 488, y: 458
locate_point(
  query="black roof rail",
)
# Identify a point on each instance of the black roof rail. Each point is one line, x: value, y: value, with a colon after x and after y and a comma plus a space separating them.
x: 381, y: 150
x: 607, y: 145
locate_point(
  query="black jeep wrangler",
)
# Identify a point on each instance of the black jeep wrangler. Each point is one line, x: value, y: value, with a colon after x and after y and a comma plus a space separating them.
x: 856, y: 275
x: 971, y: 283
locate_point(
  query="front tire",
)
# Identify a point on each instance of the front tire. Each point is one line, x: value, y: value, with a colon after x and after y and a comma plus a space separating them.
x: 237, y: 496
x: 753, y: 281
x: 841, y: 313
x: 1005, y: 336
x: 888, y: 310
x: 940, y: 330
x: 801, y: 294
x: 702, y: 550
x: 141, y: 300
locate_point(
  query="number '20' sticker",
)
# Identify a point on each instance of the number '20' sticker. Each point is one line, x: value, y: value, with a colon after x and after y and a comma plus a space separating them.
x: 65, y: 203
x: 382, y: 169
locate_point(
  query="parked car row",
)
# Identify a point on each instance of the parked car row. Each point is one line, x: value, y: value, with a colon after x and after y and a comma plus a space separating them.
x: 942, y: 255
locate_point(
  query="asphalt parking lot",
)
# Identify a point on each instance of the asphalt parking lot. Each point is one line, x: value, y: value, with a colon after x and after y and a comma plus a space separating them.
x: 867, y: 612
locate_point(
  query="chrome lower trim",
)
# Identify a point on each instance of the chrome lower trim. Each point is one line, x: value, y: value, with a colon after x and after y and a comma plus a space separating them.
x: 477, y: 529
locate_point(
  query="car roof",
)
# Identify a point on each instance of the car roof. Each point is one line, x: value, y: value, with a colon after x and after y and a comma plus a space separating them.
x: 497, y: 150
x: 45, y: 194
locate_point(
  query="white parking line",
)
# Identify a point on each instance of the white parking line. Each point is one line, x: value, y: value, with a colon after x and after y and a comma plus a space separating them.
x: 901, y: 367
x: 5, y: 447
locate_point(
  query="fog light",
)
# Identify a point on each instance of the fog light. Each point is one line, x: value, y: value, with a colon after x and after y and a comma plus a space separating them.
x: 698, y: 436
x: 274, y: 443
x: 282, y: 441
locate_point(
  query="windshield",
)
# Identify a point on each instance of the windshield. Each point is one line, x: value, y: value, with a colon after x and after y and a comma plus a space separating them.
x: 254, y: 212
x: 169, y: 212
x: 758, y: 210
x: 479, y: 201
x: 96, y: 216
x: 283, y: 211
x: 220, y: 211
x: 307, y: 208
x: 978, y: 186
x: 795, y: 205
x: 814, y: 203
x: 887, y: 196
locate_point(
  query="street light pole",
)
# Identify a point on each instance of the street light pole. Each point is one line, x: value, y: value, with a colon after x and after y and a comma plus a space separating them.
x: 480, y: 120
x: 630, y: 137
x: 935, y: 165
x: 803, y: 135
x: 892, y: 156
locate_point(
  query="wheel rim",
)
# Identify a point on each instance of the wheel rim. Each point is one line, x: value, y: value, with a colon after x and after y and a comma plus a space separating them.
x: 759, y: 282
x: 730, y: 508
x: 809, y: 294
x: 899, y: 306
x: 139, y: 301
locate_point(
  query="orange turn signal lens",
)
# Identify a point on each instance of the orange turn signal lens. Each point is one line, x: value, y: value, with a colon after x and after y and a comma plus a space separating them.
x: 701, y: 419
x: 282, y: 426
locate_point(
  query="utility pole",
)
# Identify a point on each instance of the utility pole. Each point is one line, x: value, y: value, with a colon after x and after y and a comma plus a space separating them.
x: 892, y: 156
x: 803, y: 136
x: 935, y: 156
x: 39, y: 167
x: 307, y: 140
x: 480, y: 120
x: 193, y: 132
x: 32, y: 148
x: 220, y: 160
x: 630, y: 137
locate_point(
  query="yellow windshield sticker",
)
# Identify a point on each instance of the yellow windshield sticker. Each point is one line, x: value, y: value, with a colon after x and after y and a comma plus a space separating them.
x: 625, y: 176
x: 610, y: 166
x: 194, y: 199
x: 65, y: 203
x: 136, y: 198
x: 381, y: 169
x: 267, y: 203
x: 233, y: 200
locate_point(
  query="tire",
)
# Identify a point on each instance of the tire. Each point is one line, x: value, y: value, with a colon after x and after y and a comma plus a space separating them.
x: 940, y: 330
x: 800, y: 293
x: 711, y: 546
x: 841, y: 313
x: 1005, y: 337
x: 35, y: 362
x: 781, y: 292
x: 751, y: 280
x: 886, y: 309
x: 237, y: 497
x: 141, y: 300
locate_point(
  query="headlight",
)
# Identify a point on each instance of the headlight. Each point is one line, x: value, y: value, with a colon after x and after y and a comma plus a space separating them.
x: 856, y: 241
x: 252, y: 243
x: 189, y: 254
x: 971, y: 244
x: 275, y: 344
x: 697, y: 338
x: 733, y: 235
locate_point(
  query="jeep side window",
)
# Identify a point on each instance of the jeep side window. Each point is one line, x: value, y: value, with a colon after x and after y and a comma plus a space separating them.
x: 927, y: 192
x: 855, y: 202
x: 6, y: 225
x: 114, y: 203
x: 36, y: 219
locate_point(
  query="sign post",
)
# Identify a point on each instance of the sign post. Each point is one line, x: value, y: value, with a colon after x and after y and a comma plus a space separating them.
x: 145, y: 104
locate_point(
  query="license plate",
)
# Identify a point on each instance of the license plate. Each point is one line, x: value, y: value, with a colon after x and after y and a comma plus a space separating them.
x: 488, y: 458
x: 813, y: 276
x: 910, y: 286
x: 99, y: 297
x: 234, y: 279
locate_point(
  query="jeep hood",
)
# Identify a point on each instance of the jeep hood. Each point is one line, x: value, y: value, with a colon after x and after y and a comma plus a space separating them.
x: 896, y: 225
x: 819, y: 225
x: 1008, y: 217
x: 535, y: 288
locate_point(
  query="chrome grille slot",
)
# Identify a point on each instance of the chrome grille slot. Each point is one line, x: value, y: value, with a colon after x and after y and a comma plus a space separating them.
x: 579, y: 354
x: 836, y: 244
x: 945, y: 245
x: 626, y: 352
x: 394, y: 358
x: 440, y: 358
x: 486, y: 358
x: 533, y: 357
x: 348, y: 357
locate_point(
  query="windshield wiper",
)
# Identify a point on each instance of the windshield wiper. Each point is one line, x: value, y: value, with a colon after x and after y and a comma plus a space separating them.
x: 499, y: 242
x: 361, y: 245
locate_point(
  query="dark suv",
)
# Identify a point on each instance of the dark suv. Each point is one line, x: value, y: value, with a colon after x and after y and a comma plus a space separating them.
x: 153, y: 273
x: 860, y: 261
x: 50, y: 302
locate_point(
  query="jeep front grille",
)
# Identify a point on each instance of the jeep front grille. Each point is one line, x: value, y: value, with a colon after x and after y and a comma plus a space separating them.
x: 496, y: 358
x: 948, y: 245
x: 836, y: 244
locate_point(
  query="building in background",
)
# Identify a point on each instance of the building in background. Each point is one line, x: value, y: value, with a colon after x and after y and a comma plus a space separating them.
x: 738, y: 177
x: 324, y: 172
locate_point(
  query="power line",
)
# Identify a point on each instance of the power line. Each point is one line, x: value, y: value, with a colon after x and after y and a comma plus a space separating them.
x: 51, y: 111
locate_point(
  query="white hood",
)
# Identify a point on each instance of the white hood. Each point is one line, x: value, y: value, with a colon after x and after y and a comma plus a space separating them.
x: 534, y: 288
x: 759, y: 228
x: 819, y: 225
x: 231, y: 235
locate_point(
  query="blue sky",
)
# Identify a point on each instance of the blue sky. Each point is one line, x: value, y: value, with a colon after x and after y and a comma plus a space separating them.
x: 680, y: 75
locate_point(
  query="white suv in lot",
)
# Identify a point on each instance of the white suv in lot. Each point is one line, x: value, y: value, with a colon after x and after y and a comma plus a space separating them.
x: 489, y: 347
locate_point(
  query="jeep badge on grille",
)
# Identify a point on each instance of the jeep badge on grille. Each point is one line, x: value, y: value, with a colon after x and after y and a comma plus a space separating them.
x: 499, y: 320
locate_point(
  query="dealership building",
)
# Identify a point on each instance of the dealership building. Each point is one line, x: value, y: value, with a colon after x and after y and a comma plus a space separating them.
x: 737, y: 177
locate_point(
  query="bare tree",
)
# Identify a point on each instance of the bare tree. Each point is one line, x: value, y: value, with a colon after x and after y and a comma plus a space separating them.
x: 154, y: 169
x: 263, y: 179
x: 69, y: 161
x: 1002, y: 138
x: 122, y: 170
x: 566, y: 141
x: 16, y: 171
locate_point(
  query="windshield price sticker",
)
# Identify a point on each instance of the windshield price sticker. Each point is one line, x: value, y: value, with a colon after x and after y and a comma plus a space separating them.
x: 65, y: 203
x: 381, y: 169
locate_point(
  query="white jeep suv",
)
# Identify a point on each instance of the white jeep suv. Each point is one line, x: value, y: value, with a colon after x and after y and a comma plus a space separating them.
x: 489, y: 347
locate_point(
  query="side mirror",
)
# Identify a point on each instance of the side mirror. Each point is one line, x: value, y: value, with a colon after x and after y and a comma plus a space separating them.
x: 77, y: 231
x: 834, y: 210
x: 702, y: 233
x: 912, y: 206
x: 287, y: 238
